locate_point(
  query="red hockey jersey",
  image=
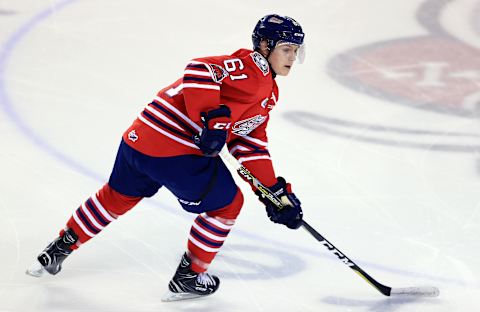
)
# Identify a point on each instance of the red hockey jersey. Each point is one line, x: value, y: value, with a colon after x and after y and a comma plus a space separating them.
x: 243, y: 81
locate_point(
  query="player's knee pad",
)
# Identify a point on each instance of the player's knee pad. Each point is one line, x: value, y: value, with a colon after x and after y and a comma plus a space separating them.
x: 115, y: 202
x: 231, y: 211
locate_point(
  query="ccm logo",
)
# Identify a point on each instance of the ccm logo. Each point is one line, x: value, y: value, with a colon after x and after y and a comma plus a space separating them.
x: 221, y: 125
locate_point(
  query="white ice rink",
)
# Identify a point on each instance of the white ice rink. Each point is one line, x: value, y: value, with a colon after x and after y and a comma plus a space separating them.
x: 378, y: 132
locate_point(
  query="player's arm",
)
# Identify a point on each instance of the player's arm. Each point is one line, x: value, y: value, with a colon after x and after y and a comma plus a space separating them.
x: 250, y: 148
x: 201, y: 91
x: 252, y: 152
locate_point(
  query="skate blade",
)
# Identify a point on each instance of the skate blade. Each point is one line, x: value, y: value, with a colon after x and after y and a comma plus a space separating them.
x: 35, y: 270
x: 171, y: 296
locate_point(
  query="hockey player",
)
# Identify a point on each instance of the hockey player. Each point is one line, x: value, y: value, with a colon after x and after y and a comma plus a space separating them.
x: 175, y: 142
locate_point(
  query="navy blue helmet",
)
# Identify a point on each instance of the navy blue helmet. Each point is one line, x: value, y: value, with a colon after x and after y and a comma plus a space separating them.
x: 274, y: 28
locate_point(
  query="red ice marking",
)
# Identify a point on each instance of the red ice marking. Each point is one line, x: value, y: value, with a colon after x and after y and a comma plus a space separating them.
x: 427, y: 70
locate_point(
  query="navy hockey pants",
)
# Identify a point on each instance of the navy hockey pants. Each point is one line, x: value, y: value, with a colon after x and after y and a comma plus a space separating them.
x: 200, y: 183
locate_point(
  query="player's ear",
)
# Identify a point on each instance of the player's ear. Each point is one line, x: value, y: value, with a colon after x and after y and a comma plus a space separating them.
x: 264, y: 48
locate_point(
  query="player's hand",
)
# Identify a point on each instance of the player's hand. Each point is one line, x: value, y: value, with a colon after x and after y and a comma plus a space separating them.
x: 216, y: 123
x: 291, y: 214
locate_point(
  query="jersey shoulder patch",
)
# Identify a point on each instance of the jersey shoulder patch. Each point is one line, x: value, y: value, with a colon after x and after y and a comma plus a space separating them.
x: 218, y: 72
x: 261, y: 62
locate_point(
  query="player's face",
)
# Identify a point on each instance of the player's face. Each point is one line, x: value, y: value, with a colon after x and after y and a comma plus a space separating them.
x: 282, y: 58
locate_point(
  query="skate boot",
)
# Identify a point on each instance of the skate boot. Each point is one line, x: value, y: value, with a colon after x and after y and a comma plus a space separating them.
x: 187, y: 284
x: 51, y: 258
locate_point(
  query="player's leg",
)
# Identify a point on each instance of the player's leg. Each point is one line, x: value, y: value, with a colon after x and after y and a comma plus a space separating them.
x: 126, y: 187
x: 207, y: 236
x: 96, y: 213
x: 213, y: 194
x: 210, y: 230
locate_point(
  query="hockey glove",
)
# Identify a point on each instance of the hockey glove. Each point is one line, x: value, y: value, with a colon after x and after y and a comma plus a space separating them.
x: 215, y: 130
x: 291, y: 214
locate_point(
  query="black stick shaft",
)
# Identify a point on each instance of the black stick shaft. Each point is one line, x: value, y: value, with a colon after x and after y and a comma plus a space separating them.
x: 342, y: 257
x: 248, y: 176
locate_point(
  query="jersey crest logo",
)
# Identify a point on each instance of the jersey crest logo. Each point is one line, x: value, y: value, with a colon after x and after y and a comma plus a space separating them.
x: 132, y: 136
x: 244, y: 127
x: 218, y: 72
x: 261, y: 62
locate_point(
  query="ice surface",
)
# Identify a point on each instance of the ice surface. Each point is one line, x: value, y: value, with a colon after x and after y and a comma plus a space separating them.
x: 378, y: 132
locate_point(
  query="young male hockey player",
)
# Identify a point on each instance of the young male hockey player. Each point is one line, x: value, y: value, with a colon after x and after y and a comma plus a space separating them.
x: 175, y: 142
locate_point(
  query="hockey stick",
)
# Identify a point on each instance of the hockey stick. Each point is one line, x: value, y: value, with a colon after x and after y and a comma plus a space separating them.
x: 427, y: 291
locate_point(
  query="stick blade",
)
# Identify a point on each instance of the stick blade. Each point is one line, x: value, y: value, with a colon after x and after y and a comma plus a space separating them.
x: 415, y: 292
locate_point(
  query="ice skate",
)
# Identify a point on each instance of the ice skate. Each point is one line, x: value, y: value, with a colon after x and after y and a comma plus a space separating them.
x: 187, y: 284
x: 51, y: 258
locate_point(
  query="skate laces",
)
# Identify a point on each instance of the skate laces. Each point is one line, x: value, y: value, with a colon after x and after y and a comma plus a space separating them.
x: 205, y: 279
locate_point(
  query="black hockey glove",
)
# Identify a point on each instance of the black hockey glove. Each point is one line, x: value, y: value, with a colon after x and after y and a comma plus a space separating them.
x: 216, y: 123
x: 291, y: 214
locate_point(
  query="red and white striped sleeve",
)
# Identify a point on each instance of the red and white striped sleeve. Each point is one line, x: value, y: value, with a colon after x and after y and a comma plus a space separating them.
x: 201, y: 87
x: 252, y: 152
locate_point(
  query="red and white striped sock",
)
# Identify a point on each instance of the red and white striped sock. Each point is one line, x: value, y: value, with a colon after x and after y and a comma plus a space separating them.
x: 89, y: 219
x: 209, y: 232
x: 206, y: 238
x: 98, y: 211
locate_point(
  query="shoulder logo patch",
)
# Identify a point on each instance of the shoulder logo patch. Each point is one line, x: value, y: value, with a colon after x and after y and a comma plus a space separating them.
x: 261, y: 62
x: 218, y: 72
